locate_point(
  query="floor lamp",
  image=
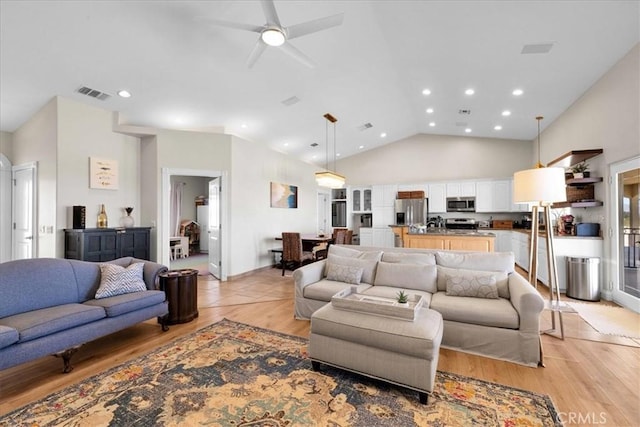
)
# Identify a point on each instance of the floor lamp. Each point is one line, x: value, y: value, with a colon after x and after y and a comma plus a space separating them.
x: 541, y: 187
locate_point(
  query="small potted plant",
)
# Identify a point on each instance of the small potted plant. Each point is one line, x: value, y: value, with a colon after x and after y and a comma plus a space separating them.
x: 402, y: 298
x: 580, y: 170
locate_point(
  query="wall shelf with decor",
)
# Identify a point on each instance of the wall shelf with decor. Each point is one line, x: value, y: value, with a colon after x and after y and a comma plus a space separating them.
x: 580, y: 191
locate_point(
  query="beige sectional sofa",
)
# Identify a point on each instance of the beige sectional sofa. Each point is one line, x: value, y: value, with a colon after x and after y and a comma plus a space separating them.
x: 487, y: 308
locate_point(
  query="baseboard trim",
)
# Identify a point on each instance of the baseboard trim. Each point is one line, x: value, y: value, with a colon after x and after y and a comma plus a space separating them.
x: 249, y: 273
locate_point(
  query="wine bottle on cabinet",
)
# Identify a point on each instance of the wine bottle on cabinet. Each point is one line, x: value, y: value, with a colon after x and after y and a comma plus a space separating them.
x: 102, y: 217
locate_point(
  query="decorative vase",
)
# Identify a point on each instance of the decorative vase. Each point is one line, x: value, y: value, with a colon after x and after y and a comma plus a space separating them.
x: 578, y: 175
x: 128, y: 221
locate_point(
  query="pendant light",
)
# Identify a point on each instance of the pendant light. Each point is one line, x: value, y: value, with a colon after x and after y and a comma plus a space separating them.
x: 328, y: 178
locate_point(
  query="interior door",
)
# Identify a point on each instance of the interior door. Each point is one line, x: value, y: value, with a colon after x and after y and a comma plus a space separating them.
x: 323, y: 213
x: 213, y: 230
x: 23, y: 212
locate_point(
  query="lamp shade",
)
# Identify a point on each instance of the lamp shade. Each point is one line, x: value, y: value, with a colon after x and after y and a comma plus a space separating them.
x: 330, y: 179
x: 544, y: 185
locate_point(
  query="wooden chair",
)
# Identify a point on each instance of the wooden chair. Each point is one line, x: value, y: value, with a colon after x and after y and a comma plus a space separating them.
x: 343, y: 237
x: 292, y: 251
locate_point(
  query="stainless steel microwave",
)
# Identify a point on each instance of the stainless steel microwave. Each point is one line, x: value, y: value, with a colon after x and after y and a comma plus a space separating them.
x: 461, y: 204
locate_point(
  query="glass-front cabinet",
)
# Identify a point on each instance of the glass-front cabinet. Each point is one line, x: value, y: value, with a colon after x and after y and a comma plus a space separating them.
x: 361, y: 199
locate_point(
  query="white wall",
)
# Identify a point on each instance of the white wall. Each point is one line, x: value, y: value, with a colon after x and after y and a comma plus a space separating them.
x: 606, y: 116
x: 6, y: 146
x: 36, y: 141
x: 422, y: 158
x: 85, y: 131
x: 254, y: 224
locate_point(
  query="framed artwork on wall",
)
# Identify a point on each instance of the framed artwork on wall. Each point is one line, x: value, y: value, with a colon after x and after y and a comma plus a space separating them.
x: 103, y: 173
x: 284, y: 196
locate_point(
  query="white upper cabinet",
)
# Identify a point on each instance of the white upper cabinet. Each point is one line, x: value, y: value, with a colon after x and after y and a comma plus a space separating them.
x: 360, y: 199
x: 437, y: 195
x: 493, y: 196
x: 461, y: 189
x: 383, y: 195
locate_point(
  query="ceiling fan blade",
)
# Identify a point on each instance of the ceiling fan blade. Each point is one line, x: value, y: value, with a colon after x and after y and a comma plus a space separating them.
x: 291, y: 50
x: 236, y: 25
x: 258, y: 49
x: 270, y: 13
x: 314, y: 26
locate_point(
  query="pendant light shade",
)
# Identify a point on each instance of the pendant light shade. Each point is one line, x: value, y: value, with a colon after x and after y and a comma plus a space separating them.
x: 328, y: 178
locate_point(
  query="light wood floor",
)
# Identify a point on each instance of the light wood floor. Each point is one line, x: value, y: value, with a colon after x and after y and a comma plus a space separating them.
x: 590, y: 382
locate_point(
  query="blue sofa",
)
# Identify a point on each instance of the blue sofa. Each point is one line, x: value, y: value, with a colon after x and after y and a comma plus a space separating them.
x: 47, y: 306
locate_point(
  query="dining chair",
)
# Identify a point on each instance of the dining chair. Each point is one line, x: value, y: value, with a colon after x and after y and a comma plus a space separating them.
x: 343, y: 237
x: 292, y: 251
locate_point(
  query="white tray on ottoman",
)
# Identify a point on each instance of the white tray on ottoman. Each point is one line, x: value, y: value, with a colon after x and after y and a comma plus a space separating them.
x: 394, y: 350
x: 349, y: 299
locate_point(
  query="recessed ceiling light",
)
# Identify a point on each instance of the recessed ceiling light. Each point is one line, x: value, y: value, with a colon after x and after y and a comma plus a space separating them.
x: 429, y: 110
x: 506, y: 113
x: 468, y: 130
x: 432, y: 124
x: 124, y: 94
x: 273, y: 37
x: 314, y: 156
x: 426, y: 92
x: 244, y: 126
x: 383, y: 135
x: 497, y: 127
x: 361, y: 147
x: 517, y: 92
x: 286, y: 144
x: 469, y: 92
x: 338, y: 155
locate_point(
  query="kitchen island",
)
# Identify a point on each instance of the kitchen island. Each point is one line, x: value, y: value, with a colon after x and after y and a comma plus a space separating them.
x: 439, y: 238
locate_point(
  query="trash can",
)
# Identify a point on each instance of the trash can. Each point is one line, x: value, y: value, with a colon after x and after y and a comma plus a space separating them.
x: 583, y: 278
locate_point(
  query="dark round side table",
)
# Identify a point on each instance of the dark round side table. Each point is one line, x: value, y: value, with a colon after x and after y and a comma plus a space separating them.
x: 181, y: 289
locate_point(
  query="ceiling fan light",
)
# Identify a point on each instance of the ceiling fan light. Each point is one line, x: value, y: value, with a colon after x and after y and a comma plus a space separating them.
x: 330, y: 179
x: 273, y: 37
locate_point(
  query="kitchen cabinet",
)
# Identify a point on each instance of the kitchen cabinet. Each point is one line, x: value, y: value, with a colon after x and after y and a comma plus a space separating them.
x: 520, y: 248
x: 383, y: 237
x: 383, y: 195
x: 503, y: 240
x: 106, y: 244
x: 461, y: 189
x: 450, y: 242
x: 360, y: 199
x: 366, y: 236
x: 437, y: 195
x: 382, y: 216
x: 494, y: 196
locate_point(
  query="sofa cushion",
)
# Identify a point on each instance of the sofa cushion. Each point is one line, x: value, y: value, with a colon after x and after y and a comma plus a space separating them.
x: 487, y: 261
x: 391, y: 292
x: 325, y: 289
x: 409, y: 258
x: 118, y: 280
x: 472, y: 285
x: 354, y: 253
x: 497, y: 313
x: 126, y: 303
x: 502, y: 278
x: 8, y: 336
x: 344, y: 273
x: 407, y: 276
x: 38, y: 323
x: 368, y: 266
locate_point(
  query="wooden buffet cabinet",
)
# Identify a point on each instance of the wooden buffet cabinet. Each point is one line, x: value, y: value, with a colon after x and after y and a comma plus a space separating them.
x: 480, y: 242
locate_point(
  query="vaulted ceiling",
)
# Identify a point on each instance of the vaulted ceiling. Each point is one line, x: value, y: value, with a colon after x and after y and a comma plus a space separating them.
x: 185, y: 72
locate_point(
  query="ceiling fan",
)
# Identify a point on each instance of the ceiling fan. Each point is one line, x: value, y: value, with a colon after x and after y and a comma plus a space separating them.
x: 272, y: 33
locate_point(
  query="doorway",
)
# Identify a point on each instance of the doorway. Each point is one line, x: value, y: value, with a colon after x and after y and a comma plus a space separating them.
x: 324, y: 212
x: 23, y: 211
x: 216, y: 213
x: 625, y: 216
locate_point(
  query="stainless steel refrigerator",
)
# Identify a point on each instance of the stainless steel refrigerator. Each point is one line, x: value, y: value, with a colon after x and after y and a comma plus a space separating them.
x: 411, y: 211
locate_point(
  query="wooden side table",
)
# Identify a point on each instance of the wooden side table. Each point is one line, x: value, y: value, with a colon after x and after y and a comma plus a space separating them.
x: 181, y: 289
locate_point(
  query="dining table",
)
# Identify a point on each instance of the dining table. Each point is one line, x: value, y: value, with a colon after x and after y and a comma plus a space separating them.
x: 309, y: 240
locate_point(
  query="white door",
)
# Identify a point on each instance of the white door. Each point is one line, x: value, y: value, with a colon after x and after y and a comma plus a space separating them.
x: 214, y: 228
x: 23, y: 213
x: 323, y: 213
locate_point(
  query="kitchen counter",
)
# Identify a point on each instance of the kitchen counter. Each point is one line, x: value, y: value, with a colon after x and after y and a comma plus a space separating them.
x: 447, y: 232
x: 542, y: 234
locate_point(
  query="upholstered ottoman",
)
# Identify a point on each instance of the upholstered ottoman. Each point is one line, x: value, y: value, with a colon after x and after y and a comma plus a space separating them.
x: 397, y: 351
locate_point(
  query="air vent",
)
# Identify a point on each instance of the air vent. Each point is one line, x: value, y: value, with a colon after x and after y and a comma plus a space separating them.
x: 536, y: 48
x: 365, y: 126
x: 93, y: 93
x: 464, y: 111
x: 290, y: 101
x: 315, y: 144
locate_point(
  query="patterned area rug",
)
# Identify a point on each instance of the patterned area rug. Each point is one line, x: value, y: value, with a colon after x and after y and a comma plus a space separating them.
x: 231, y: 374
